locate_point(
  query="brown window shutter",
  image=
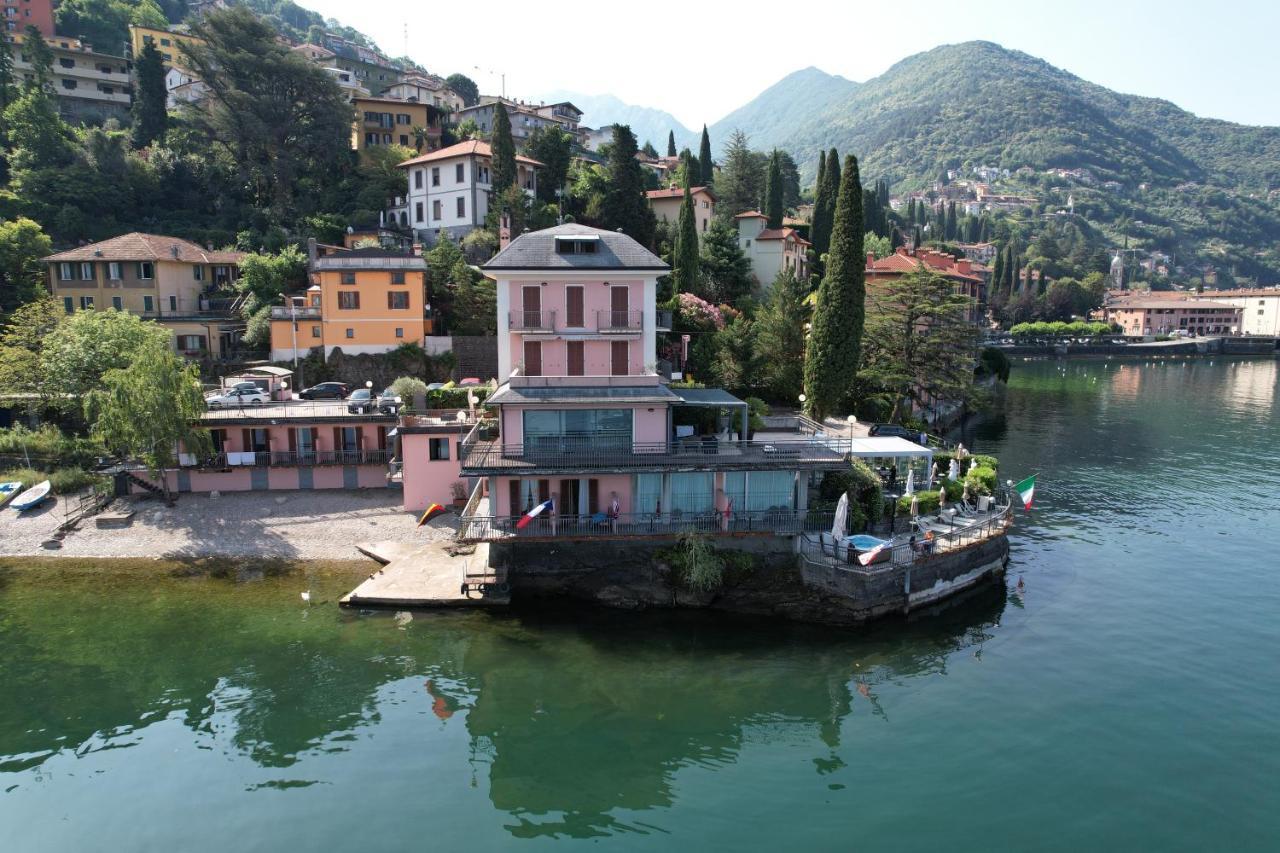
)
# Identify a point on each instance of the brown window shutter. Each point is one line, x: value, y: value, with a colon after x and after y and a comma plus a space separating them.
x: 532, y: 358
x: 514, y: 487
x: 573, y: 307
x: 577, y: 358
x: 246, y: 436
x: 382, y: 438
x: 619, y: 358
x: 359, y: 438
x: 544, y: 491
x: 337, y: 438
x: 593, y: 496
x: 562, y: 504
x: 293, y: 441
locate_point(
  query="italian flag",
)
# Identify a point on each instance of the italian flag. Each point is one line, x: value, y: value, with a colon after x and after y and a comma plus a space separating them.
x: 1026, y: 490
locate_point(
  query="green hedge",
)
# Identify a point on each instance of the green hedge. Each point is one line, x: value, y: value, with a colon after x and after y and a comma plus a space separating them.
x: 981, y: 478
x: 1058, y: 328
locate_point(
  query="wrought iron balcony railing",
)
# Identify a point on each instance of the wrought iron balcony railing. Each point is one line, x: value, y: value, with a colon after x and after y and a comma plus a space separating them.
x: 777, y: 521
x: 298, y: 458
x: 532, y: 321
x: 619, y: 321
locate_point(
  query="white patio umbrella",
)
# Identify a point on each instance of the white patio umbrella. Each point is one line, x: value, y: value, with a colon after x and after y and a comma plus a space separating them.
x: 915, y: 506
x: 933, y: 475
x: 911, y: 482
x: 953, y: 470
x: 842, y: 514
x: 942, y: 500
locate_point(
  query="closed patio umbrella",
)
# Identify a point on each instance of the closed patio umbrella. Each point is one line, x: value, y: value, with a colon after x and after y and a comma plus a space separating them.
x: 953, y: 470
x: 933, y: 475
x: 842, y: 514
x: 911, y: 482
x: 915, y: 506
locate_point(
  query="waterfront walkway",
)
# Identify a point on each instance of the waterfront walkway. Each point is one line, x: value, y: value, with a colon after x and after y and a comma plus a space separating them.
x: 428, y: 575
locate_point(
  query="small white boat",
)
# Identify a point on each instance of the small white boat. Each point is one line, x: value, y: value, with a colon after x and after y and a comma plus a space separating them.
x: 8, y: 490
x: 32, y: 497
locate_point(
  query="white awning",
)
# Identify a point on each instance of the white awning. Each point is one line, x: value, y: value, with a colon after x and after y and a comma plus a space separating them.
x: 886, y: 446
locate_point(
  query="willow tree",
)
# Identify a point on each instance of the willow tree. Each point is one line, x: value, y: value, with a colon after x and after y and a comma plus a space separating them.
x: 144, y: 411
x: 835, y: 343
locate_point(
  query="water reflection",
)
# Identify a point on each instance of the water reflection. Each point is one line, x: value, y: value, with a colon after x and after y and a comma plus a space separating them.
x: 570, y: 720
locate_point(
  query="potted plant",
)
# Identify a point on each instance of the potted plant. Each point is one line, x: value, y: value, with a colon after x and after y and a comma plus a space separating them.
x: 459, y: 490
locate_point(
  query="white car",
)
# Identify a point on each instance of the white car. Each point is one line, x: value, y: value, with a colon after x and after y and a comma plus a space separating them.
x: 236, y: 397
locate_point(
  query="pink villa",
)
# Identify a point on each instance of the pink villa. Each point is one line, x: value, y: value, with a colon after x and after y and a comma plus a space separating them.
x: 583, y: 419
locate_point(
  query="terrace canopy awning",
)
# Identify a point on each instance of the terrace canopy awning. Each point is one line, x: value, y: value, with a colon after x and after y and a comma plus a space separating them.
x: 716, y: 398
x: 891, y: 449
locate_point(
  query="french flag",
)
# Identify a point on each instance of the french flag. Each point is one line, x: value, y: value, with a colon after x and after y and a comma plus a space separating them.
x: 534, y: 513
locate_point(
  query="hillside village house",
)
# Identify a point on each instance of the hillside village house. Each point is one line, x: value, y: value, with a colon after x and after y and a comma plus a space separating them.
x: 449, y: 189
x: 328, y: 60
x: 425, y: 89
x: 525, y: 118
x: 167, y: 42
x: 388, y: 121
x: 172, y: 281
x: 665, y: 205
x: 968, y: 277
x: 771, y: 250
x: 583, y: 419
x: 90, y: 86
x: 1156, y: 316
x: 20, y: 14
x: 363, y: 301
x: 1260, y: 309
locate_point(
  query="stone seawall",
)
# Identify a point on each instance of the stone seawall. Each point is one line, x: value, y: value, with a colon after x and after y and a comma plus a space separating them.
x: 636, y: 576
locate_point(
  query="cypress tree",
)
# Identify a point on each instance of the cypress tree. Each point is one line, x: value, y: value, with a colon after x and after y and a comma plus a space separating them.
x: 671, y: 143
x: 773, y: 191
x: 997, y: 273
x: 684, y: 259
x: 835, y: 343
x: 704, y: 158
x: 951, y: 221
x: 504, y: 151
x: 882, y: 193
x: 817, y: 182
x: 624, y: 205
x: 150, y: 113
x: 824, y: 219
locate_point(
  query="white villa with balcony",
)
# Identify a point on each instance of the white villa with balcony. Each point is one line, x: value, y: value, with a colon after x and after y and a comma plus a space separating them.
x: 449, y: 190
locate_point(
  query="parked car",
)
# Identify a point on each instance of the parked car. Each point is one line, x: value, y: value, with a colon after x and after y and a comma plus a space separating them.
x: 360, y: 402
x: 893, y: 431
x: 237, y: 397
x: 326, y: 391
x: 388, y: 402
x: 247, y: 386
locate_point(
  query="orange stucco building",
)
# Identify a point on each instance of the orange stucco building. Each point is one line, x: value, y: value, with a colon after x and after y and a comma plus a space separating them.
x: 361, y: 301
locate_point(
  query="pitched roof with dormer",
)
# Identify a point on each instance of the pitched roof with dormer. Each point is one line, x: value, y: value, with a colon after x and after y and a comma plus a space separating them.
x: 538, y: 250
x: 781, y: 234
x: 472, y: 147
x: 137, y: 246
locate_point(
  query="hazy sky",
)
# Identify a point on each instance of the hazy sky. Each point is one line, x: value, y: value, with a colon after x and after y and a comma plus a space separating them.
x: 700, y: 60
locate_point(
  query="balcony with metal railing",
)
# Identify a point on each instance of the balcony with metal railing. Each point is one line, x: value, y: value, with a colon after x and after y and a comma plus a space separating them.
x: 295, y: 459
x: 612, y: 322
x: 532, y: 321
x: 777, y: 521
x: 295, y: 312
x: 491, y: 456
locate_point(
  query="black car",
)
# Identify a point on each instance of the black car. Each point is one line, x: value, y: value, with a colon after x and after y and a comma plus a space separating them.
x: 388, y: 402
x: 894, y: 431
x: 325, y: 391
x: 360, y: 401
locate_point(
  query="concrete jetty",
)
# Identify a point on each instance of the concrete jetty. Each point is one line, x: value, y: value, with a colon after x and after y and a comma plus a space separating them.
x: 431, y: 574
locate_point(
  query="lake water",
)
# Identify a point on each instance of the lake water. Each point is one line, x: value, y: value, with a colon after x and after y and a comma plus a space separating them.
x: 1120, y: 689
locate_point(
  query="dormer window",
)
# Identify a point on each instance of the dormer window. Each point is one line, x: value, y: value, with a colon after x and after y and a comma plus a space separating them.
x: 577, y: 244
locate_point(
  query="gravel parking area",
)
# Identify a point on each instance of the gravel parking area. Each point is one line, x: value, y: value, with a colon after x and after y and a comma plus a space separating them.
x: 306, y: 525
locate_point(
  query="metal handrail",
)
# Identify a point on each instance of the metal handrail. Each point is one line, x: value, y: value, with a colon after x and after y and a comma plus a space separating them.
x: 299, y: 458
x: 300, y: 312
x: 294, y: 410
x: 573, y: 451
x: 782, y: 522
x: 821, y: 551
x: 532, y: 321
x: 608, y: 320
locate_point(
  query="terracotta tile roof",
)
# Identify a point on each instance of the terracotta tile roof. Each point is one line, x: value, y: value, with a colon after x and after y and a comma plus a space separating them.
x: 137, y: 246
x: 678, y: 192
x: 781, y: 233
x: 751, y: 214
x: 464, y: 149
x: 899, y: 264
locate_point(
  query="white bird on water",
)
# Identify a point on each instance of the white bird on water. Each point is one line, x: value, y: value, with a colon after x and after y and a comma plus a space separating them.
x: 306, y: 595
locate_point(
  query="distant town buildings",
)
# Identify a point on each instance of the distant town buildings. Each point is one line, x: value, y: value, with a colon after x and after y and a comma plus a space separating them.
x: 91, y: 86
x: 1152, y: 315
x: 20, y: 14
x: 387, y: 121
x: 969, y: 277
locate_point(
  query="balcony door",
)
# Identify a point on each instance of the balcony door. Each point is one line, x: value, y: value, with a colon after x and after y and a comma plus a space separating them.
x: 577, y: 358
x: 531, y: 307
x: 574, y: 314
x: 533, y: 358
x: 619, y: 356
x: 619, y: 306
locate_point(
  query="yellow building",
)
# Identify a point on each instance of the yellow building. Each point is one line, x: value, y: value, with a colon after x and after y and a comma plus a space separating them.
x: 387, y: 121
x: 166, y: 42
x: 363, y: 301
x: 175, y: 282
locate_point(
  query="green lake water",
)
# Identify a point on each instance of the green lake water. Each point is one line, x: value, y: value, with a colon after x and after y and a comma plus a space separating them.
x: 1118, y: 690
